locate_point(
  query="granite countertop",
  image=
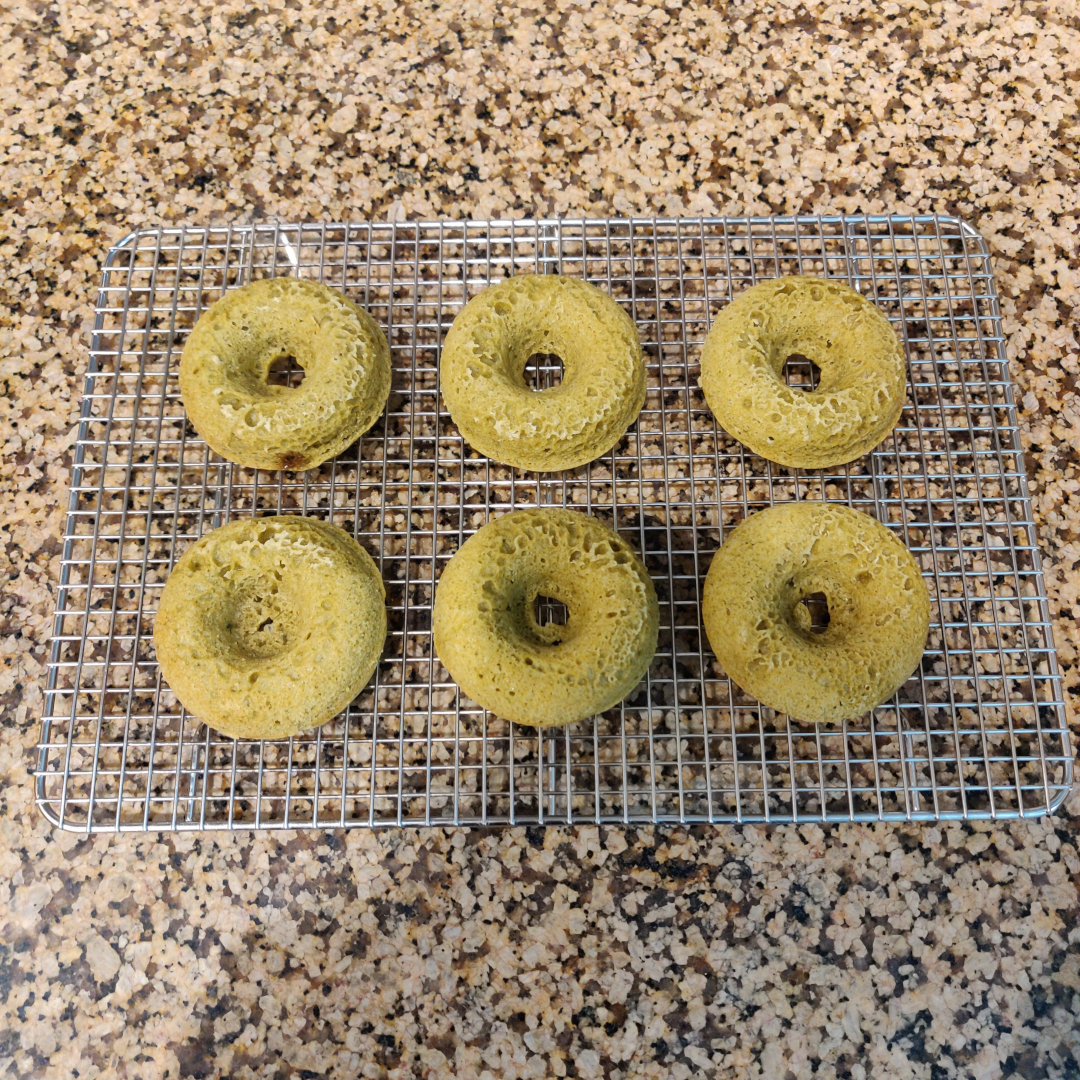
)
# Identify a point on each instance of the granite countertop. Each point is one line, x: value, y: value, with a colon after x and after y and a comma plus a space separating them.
x: 855, y: 951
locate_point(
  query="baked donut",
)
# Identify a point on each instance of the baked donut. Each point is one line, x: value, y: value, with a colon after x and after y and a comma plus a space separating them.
x: 481, y: 372
x: 861, y: 390
x: 759, y: 621
x: 226, y: 361
x: 270, y: 626
x: 488, y: 637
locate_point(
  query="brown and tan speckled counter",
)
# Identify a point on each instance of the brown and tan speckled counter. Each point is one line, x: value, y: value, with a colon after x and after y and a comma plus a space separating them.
x: 884, y: 951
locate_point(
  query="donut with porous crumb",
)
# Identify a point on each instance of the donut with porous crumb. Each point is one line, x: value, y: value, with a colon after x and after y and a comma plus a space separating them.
x: 481, y: 372
x: 860, y: 393
x: 270, y: 626
x: 225, y: 371
x: 487, y: 632
x: 783, y: 566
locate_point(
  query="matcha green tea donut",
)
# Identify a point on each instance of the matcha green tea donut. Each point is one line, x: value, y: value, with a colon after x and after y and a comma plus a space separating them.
x: 763, y: 632
x: 861, y: 390
x: 483, y: 361
x: 225, y: 367
x: 486, y: 630
x: 270, y: 626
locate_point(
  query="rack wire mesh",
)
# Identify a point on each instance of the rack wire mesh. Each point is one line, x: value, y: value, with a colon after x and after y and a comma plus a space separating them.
x: 979, y: 731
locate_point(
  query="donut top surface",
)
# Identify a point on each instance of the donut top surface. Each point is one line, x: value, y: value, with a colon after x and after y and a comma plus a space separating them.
x: 225, y: 374
x: 862, y: 382
x: 483, y: 362
x: 488, y: 635
x: 270, y: 626
x: 758, y: 615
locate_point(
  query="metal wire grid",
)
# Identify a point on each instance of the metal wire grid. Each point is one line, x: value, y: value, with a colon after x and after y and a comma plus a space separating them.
x: 979, y: 731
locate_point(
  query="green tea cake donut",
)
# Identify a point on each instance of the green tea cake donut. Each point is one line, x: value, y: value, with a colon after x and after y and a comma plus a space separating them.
x: 225, y: 366
x: 270, y: 626
x: 486, y: 630
x: 861, y: 389
x: 483, y: 361
x: 758, y: 617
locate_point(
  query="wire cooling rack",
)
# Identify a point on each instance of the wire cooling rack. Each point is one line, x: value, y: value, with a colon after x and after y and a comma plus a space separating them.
x: 978, y: 731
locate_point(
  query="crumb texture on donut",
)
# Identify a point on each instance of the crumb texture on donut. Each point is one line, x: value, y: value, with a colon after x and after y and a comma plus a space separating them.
x: 270, y: 626
x: 225, y: 371
x: 488, y: 637
x: 764, y: 634
x: 860, y: 394
x: 481, y: 372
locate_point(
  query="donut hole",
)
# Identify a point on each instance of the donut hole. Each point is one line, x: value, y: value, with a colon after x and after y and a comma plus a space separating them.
x: 285, y: 371
x: 257, y: 621
x: 550, y: 612
x: 814, y: 616
x: 800, y: 372
x: 543, y: 371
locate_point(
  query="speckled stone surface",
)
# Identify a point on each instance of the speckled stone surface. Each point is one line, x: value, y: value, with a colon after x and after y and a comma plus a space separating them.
x: 664, y: 953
